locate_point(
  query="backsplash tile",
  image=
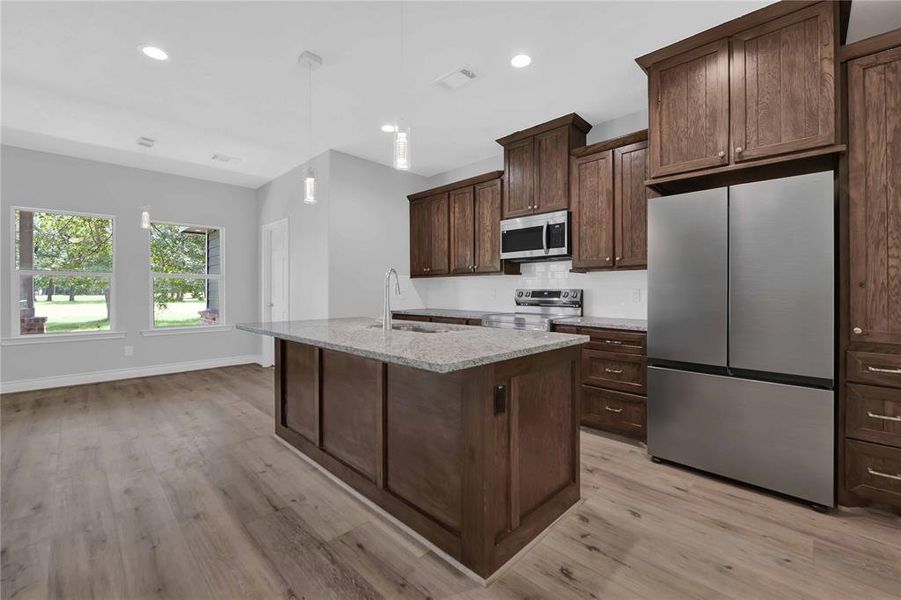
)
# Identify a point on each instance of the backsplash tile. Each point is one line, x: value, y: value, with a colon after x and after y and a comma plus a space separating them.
x: 621, y: 294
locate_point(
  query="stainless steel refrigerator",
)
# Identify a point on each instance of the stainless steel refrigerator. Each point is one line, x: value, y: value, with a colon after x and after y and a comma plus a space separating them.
x: 741, y: 333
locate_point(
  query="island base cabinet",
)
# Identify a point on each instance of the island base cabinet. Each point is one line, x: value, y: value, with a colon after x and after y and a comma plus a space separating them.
x: 477, y: 461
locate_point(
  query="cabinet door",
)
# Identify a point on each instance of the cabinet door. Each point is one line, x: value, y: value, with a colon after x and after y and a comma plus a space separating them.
x: 519, y: 178
x: 689, y: 110
x: 420, y: 253
x: 461, y: 231
x: 631, y: 205
x: 783, y: 85
x: 439, y: 223
x: 488, y: 226
x: 874, y: 188
x: 592, y: 207
x: 552, y: 170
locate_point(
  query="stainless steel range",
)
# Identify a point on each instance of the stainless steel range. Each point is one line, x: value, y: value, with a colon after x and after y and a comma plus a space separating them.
x: 537, y: 309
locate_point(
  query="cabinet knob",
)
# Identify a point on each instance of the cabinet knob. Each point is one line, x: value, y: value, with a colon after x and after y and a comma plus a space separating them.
x: 721, y: 153
x: 607, y: 259
x: 619, y: 258
x: 738, y: 150
x: 857, y: 330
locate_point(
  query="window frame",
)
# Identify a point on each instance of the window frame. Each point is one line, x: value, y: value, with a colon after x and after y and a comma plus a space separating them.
x: 15, y: 273
x: 221, y: 325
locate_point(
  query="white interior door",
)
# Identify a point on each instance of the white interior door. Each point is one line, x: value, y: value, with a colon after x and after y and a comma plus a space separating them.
x: 276, y: 295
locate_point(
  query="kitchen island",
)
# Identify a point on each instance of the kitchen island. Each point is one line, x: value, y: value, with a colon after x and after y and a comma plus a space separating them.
x: 468, y: 436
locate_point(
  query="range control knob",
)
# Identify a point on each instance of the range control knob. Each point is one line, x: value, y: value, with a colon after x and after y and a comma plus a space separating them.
x: 566, y: 294
x: 528, y: 294
x: 519, y: 294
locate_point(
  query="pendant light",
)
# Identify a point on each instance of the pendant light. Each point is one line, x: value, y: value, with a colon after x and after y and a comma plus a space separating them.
x: 145, y: 217
x: 402, y: 131
x: 312, y: 62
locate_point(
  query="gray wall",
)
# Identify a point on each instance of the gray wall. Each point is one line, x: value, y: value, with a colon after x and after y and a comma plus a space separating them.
x: 50, y: 181
x: 308, y: 229
x: 341, y: 247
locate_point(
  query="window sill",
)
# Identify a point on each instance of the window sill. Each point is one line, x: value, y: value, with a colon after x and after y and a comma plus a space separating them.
x: 185, y: 330
x: 50, y: 338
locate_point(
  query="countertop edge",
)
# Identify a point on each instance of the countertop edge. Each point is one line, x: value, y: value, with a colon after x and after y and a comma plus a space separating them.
x: 418, y: 364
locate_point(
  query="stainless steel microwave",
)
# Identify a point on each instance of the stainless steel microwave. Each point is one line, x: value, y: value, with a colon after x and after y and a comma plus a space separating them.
x: 536, y: 237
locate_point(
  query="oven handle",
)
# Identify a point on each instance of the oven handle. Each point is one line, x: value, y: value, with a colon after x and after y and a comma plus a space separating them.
x: 544, y: 237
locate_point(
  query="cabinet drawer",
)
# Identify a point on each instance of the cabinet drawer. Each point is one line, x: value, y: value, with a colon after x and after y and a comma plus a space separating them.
x: 613, y: 411
x: 869, y: 367
x: 449, y: 320
x: 411, y: 318
x: 618, y: 371
x: 609, y: 340
x: 874, y: 414
x: 873, y: 471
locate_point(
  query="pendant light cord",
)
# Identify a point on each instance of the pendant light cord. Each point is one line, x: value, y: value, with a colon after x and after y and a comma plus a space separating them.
x: 310, y: 111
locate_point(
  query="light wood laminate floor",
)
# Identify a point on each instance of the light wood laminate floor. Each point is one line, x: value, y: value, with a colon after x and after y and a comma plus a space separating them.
x: 173, y: 487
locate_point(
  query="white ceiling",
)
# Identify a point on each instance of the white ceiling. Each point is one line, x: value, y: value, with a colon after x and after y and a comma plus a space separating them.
x: 74, y: 82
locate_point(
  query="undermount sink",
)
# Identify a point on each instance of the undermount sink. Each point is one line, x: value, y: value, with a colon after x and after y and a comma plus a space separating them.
x: 412, y: 327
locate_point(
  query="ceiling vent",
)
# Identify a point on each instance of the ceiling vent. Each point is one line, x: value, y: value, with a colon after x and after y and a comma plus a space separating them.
x: 225, y: 158
x: 146, y: 142
x: 456, y: 78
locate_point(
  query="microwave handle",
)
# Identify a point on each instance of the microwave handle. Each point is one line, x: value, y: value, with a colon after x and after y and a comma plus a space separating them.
x: 544, y: 237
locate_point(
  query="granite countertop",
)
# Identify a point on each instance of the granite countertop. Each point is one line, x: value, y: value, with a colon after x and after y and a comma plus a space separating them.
x: 605, y: 323
x: 452, y: 348
x: 452, y: 313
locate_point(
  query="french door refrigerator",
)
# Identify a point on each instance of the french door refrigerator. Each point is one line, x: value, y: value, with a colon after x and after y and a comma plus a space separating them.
x: 741, y: 333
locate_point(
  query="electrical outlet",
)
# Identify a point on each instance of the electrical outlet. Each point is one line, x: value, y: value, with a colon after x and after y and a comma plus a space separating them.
x: 129, y: 350
x: 636, y: 295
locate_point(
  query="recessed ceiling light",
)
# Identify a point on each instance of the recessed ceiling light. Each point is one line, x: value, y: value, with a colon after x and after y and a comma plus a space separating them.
x: 154, y: 53
x: 388, y: 128
x: 521, y: 60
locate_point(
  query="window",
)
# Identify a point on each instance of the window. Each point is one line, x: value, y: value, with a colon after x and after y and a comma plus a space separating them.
x: 186, y: 275
x: 63, y: 271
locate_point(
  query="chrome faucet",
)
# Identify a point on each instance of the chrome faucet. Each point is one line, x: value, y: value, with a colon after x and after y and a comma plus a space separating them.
x: 386, y: 319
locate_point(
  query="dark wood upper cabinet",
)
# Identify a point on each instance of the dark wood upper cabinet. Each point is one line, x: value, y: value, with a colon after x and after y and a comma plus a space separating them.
x: 455, y: 228
x: 753, y: 97
x: 462, y: 228
x: 689, y: 110
x: 519, y: 170
x: 488, y: 226
x: 874, y: 190
x: 552, y: 170
x: 592, y: 207
x: 439, y: 217
x: 420, y: 233
x: 631, y: 205
x: 609, y: 204
x: 536, y: 166
x: 783, y: 88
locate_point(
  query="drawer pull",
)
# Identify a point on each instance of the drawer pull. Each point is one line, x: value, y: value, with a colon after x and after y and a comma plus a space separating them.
x: 881, y: 474
x: 613, y: 410
x: 873, y: 415
x: 614, y: 342
x: 613, y: 371
x: 881, y: 370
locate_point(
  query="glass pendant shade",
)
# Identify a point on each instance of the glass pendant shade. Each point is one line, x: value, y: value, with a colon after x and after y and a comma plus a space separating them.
x: 402, y: 148
x: 145, y: 219
x: 309, y: 187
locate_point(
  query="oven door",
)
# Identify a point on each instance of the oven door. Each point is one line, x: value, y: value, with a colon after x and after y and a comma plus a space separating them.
x: 536, y: 237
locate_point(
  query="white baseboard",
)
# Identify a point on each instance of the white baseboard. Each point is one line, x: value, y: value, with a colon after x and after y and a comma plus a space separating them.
x: 40, y: 383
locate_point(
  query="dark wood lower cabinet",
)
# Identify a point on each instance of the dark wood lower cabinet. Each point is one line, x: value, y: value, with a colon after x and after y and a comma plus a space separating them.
x: 870, y: 287
x: 477, y: 461
x: 614, y: 378
x: 625, y: 372
x: 873, y: 471
x: 614, y: 411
